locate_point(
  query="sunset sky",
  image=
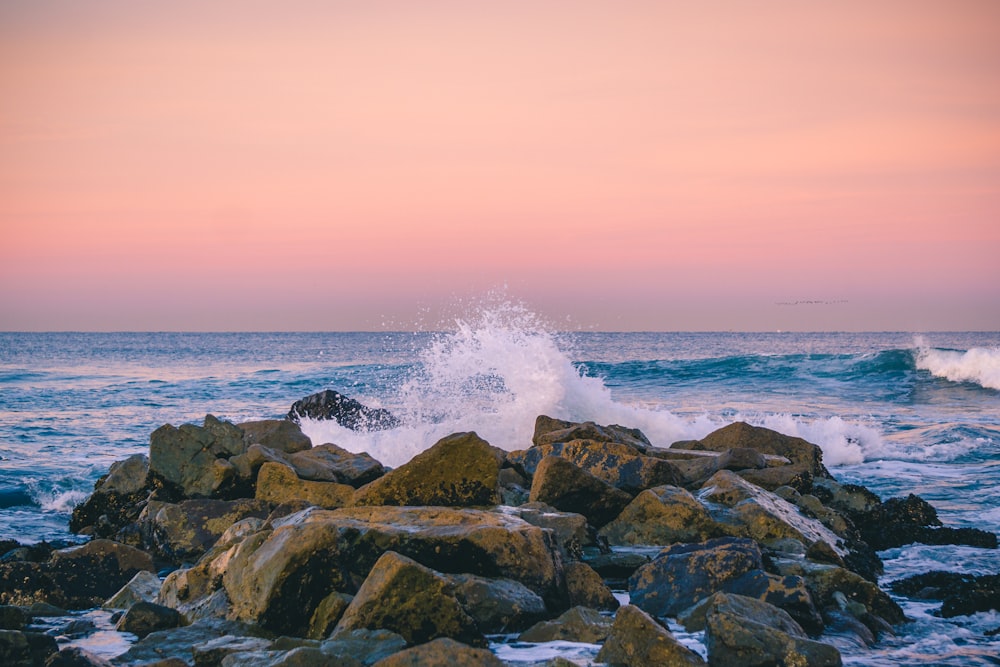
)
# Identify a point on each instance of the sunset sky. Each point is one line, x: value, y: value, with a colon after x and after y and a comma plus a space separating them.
x: 630, y: 165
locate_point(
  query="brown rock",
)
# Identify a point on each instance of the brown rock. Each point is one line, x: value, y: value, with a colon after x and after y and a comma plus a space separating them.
x: 277, y: 483
x: 563, y: 485
x: 579, y: 624
x: 587, y: 589
x: 765, y: 441
x: 637, y: 640
x: 442, y: 652
x: 663, y: 515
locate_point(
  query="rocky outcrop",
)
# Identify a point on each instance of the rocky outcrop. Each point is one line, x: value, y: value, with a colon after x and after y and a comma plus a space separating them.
x: 278, y: 483
x: 349, y: 413
x: 549, y: 431
x: 565, y: 486
x: 663, y: 515
x: 117, y: 500
x: 178, y: 532
x: 460, y: 470
x: 193, y: 461
x: 960, y: 594
x: 636, y: 639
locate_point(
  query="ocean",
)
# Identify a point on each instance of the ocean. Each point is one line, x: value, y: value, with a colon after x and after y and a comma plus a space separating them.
x: 897, y: 412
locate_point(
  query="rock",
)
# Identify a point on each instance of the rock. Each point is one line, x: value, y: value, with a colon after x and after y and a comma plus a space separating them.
x: 212, y: 652
x: 143, y: 618
x: 788, y: 593
x: 798, y: 476
x: 685, y: 573
x: 762, y: 515
x: 617, y: 565
x: 442, y: 652
x: 637, y: 640
x: 497, y: 605
x: 663, y: 515
x: 76, y: 578
x: 327, y: 615
x: 826, y: 581
x: 25, y: 649
x: 347, y: 412
x: 75, y: 656
x: 414, y: 601
x: 117, y: 499
x: 367, y: 646
x: 619, y: 465
x: 961, y: 594
x: 184, y: 531
x: 177, y: 642
x: 193, y: 461
x: 277, y: 483
x: 587, y: 589
x: 579, y: 624
x: 901, y: 521
x: 143, y: 587
x: 570, y: 528
x: 281, y: 435
x: 563, y: 485
x: 12, y: 618
x: 549, y: 430
x: 765, y: 441
x: 278, y: 577
x: 735, y: 639
x: 330, y: 463
x: 460, y: 470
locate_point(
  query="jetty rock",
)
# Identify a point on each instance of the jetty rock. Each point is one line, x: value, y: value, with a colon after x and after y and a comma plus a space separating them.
x: 348, y: 412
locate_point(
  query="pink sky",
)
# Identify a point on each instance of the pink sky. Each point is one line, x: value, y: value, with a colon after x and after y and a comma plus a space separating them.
x: 617, y: 165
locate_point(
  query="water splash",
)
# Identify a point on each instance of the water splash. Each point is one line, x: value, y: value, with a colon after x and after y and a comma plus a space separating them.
x: 978, y: 365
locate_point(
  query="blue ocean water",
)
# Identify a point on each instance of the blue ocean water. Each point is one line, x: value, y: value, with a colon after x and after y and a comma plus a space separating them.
x: 896, y: 412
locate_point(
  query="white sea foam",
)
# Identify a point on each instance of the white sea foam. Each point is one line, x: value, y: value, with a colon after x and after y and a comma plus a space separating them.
x: 54, y: 497
x: 501, y: 367
x: 979, y: 365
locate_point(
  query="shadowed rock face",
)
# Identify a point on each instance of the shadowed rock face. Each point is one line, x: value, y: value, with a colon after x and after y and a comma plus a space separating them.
x: 347, y: 412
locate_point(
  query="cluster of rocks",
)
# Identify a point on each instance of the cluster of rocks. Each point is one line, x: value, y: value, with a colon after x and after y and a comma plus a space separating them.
x: 276, y: 552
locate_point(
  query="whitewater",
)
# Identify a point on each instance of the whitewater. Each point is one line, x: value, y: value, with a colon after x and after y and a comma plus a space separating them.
x: 897, y: 412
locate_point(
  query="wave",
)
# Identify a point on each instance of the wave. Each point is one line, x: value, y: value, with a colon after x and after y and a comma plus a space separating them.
x: 978, y: 365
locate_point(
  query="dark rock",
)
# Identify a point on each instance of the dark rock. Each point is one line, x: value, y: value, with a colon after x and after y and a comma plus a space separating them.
x: 414, y: 601
x: 367, y: 646
x: 211, y: 653
x: 637, y: 640
x: 442, y: 652
x: 621, y: 466
x: 798, y: 476
x: 549, y: 430
x: 788, y: 593
x: 75, y: 656
x: 685, y: 573
x: 579, y: 624
x: 460, y: 470
x: 497, y: 605
x: 177, y: 642
x: 663, y: 515
x: 347, y: 412
x: 330, y: 463
x: 328, y: 614
x: 183, y: 531
x: 12, y: 618
x: 587, y: 589
x: 25, y: 649
x: 961, y: 594
x: 563, y: 485
x: 117, y: 500
x: 143, y: 618
x: 570, y: 528
x: 824, y: 581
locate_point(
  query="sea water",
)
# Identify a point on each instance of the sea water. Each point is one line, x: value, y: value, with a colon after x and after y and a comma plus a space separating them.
x: 897, y: 412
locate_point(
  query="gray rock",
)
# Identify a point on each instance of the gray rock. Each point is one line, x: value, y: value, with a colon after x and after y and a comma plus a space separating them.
x: 637, y: 640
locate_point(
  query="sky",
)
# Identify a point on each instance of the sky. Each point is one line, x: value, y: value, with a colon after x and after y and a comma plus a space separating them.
x: 629, y: 165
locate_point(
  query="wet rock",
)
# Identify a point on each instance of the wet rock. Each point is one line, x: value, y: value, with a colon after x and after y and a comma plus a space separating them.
x: 330, y: 463
x: 177, y: 642
x: 277, y: 434
x: 549, y: 430
x: 442, y: 652
x: 497, y: 605
x: 587, y: 589
x: 193, y: 461
x: 637, y: 640
x: 212, y: 652
x: 579, y: 624
x: 788, y: 593
x: 117, y: 500
x: 184, y: 531
x: 143, y: 587
x: 563, y: 485
x: 412, y: 600
x: 349, y: 413
x: 75, y: 656
x: 143, y: 618
x: 685, y: 573
x: 961, y: 594
x: 366, y: 646
x: 460, y: 470
x: 278, y: 577
x: 798, y: 476
x: 25, y: 649
x: 663, y: 515
x: 278, y: 483
x: 570, y: 528
x: 621, y: 466
x: 327, y: 615
x: 826, y: 582
x: 740, y: 632
x: 765, y: 441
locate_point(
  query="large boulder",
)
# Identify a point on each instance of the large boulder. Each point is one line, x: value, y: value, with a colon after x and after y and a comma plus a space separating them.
x: 565, y: 486
x: 460, y: 470
x: 763, y: 440
x: 443, y: 652
x: 349, y: 413
x: 638, y: 640
x: 586, y: 588
x: 184, y: 531
x: 497, y: 605
x: 663, y: 515
x: 549, y: 430
x: 117, y: 500
x: 620, y: 465
x: 747, y: 633
x: 144, y: 586
x: 278, y: 483
x: 414, y: 601
x: 570, y: 528
x: 325, y: 463
x: 25, y: 649
x: 278, y: 576
x: 193, y: 461
x: 685, y: 573
x: 277, y: 434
